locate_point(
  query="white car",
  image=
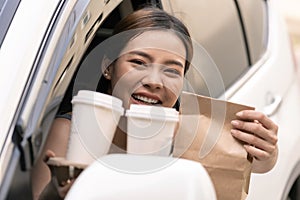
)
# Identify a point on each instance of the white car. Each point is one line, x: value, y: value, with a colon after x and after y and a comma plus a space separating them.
x: 43, y: 42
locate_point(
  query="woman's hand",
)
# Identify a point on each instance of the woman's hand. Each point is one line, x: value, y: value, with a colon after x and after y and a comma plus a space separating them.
x: 55, y: 190
x: 260, y: 136
x: 63, y: 188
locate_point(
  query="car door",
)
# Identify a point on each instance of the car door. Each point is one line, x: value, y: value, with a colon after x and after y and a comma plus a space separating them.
x: 48, y: 45
x: 19, y: 49
x: 249, y: 44
x: 273, y: 87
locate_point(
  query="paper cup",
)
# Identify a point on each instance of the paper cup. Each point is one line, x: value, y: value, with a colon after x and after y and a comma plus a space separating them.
x: 150, y: 129
x: 95, y: 117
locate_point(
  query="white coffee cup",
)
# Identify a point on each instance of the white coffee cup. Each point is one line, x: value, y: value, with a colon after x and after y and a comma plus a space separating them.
x: 150, y: 129
x: 95, y: 117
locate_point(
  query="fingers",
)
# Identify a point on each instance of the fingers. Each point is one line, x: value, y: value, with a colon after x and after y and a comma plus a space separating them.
x: 257, y: 153
x: 258, y: 132
x: 64, y: 187
x: 252, y: 115
x: 48, y: 155
x: 256, y: 129
x: 63, y: 190
x: 254, y: 140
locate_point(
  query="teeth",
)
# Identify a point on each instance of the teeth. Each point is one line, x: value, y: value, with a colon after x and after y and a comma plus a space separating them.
x: 146, y: 99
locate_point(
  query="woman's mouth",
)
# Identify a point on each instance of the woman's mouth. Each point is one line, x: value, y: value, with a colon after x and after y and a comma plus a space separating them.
x: 145, y: 100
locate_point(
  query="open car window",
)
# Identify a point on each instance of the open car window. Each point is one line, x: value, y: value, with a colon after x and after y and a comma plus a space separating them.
x: 227, y: 30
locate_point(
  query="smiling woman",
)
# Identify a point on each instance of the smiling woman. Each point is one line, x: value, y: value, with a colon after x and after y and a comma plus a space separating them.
x: 144, y: 64
x: 249, y: 51
x: 148, y: 70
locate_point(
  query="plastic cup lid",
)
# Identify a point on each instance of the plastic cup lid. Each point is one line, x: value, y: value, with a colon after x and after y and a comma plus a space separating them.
x: 98, y: 99
x: 152, y: 112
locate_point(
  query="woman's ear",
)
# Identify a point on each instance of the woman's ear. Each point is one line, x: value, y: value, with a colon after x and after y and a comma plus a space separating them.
x: 106, y: 67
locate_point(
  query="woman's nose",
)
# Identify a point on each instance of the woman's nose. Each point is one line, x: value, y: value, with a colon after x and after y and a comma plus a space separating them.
x: 152, y: 80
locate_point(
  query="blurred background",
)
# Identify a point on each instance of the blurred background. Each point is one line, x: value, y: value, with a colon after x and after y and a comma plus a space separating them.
x: 290, y: 9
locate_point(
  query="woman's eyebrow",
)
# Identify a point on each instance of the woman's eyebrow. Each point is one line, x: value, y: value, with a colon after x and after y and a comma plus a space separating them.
x: 168, y: 62
x: 141, y: 53
x: 174, y: 62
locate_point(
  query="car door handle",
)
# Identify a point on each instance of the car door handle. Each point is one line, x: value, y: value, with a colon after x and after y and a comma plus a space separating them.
x: 270, y: 109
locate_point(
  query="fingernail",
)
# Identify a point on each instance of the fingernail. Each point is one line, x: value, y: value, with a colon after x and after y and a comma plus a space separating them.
x: 239, y: 114
x: 233, y: 131
x: 235, y: 123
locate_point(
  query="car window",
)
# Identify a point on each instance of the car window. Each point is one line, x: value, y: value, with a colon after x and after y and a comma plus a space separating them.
x: 80, y: 34
x: 7, y: 11
x: 255, y: 26
x: 218, y: 27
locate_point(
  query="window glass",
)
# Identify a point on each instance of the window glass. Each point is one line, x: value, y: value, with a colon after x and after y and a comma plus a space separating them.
x: 217, y: 27
x: 255, y: 26
x: 7, y: 11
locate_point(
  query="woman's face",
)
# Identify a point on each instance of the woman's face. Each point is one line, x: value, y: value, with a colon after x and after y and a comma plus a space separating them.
x: 150, y: 70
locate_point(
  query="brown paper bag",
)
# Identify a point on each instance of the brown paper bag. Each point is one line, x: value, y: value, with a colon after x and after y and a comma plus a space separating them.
x: 204, y: 136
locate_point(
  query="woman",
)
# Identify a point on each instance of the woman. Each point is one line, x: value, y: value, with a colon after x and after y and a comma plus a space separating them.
x: 151, y: 60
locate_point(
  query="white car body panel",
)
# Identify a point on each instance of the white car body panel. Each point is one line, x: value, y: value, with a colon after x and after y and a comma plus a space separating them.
x: 276, y: 77
x: 17, y: 69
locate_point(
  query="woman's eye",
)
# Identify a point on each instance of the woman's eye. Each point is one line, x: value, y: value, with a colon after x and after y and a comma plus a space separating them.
x: 138, y: 62
x: 173, y: 71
